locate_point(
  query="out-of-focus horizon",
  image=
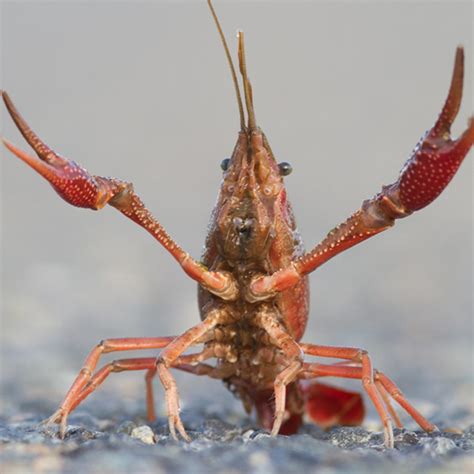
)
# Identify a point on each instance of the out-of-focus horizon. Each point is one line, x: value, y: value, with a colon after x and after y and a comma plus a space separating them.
x: 142, y: 91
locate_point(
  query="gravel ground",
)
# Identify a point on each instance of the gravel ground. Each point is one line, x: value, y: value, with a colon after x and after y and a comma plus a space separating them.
x: 115, y: 438
x: 219, y: 444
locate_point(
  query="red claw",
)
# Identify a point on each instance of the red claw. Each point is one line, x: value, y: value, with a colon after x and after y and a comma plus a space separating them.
x: 72, y: 182
x: 437, y: 157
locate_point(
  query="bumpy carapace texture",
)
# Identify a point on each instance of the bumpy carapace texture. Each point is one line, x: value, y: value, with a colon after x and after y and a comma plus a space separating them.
x: 253, y: 276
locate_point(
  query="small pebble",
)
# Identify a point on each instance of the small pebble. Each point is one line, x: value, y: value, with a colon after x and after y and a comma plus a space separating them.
x: 247, y: 436
x: 144, y: 433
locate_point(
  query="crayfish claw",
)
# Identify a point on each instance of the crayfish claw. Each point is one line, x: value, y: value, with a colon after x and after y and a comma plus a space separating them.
x: 463, y: 144
x: 42, y: 167
x: 453, y: 101
x: 42, y: 150
x: 70, y: 180
x: 437, y: 157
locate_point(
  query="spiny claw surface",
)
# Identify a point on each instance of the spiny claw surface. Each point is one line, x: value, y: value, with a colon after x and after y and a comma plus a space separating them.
x: 72, y: 182
x: 437, y: 157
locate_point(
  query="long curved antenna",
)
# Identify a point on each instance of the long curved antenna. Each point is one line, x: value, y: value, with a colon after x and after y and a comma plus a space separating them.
x: 231, y: 65
x: 247, y: 85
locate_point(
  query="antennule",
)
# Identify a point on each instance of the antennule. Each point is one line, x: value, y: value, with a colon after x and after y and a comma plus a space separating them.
x: 231, y: 65
x: 247, y: 85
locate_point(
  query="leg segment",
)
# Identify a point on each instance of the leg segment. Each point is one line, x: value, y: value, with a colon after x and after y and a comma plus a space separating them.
x: 424, y: 176
x: 168, y: 357
x: 85, y: 375
x: 150, y: 375
x: 371, y: 389
x: 220, y: 372
x: 336, y: 370
x: 121, y: 365
x: 345, y: 371
x: 293, y: 353
x: 388, y: 403
x: 172, y: 403
x: 370, y: 379
x: 150, y: 399
x: 365, y: 373
x: 398, y: 396
x: 144, y: 363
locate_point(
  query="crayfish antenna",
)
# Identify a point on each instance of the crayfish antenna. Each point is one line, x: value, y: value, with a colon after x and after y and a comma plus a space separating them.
x: 252, y: 125
x: 231, y: 65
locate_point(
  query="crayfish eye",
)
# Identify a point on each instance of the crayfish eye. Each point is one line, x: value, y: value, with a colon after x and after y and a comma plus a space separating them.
x: 285, y: 168
x: 225, y: 164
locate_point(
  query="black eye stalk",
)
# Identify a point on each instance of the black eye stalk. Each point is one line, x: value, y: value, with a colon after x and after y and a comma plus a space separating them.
x: 225, y: 164
x: 285, y: 168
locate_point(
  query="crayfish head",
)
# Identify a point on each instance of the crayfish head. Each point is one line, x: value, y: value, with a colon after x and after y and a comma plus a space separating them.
x: 252, y: 199
x: 251, y: 196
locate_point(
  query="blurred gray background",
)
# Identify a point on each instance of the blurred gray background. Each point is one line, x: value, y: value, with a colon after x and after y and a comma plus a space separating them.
x: 141, y: 91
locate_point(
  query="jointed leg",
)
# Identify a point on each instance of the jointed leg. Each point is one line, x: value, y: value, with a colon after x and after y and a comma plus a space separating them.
x: 370, y: 379
x: 149, y: 363
x: 293, y: 352
x: 398, y: 396
x: 150, y: 375
x: 381, y: 380
x: 354, y: 355
x: 150, y: 399
x: 371, y: 389
x: 116, y: 366
x: 388, y: 403
x: 365, y: 373
x: 219, y: 372
x: 144, y: 363
x: 168, y: 357
x: 85, y: 375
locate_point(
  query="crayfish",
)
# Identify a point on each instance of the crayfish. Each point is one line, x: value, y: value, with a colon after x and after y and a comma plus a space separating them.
x: 252, y: 279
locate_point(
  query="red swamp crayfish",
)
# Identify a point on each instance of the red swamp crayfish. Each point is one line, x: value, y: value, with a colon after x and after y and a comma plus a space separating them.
x: 253, y: 291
